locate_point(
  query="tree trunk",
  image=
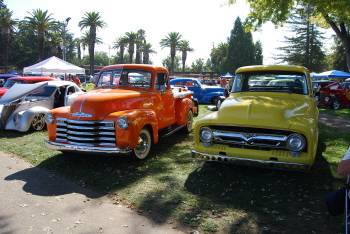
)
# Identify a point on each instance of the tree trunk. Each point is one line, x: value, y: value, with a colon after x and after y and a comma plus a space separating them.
x: 92, y: 50
x: 41, y: 38
x: 344, y: 37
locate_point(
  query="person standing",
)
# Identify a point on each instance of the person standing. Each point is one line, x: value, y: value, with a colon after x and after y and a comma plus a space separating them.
x: 77, y: 81
x: 223, y: 82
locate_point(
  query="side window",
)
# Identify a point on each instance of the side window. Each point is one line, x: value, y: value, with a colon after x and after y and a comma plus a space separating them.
x: 161, y: 81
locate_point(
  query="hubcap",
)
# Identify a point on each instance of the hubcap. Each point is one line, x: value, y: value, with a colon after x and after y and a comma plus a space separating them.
x: 38, y: 122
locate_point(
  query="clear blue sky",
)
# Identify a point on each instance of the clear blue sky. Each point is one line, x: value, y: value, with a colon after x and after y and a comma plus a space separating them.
x: 202, y: 23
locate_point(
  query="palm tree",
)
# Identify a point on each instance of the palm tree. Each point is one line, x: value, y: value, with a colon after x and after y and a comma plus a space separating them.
x: 120, y: 43
x: 7, y: 24
x: 42, y: 22
x: 184, y: 48
x: 218, y: 55
x: 85, y: 40
x: 147, y: 50
x: 141, y: 36
x: 54, y: 39
x: 132, y: 37
x: 92, y: 20
x: 172, y: 40
x: 78, y: 45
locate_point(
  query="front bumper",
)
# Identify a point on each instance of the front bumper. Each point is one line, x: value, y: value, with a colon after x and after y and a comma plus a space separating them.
x: 86, y: 149
x: 252, y: 162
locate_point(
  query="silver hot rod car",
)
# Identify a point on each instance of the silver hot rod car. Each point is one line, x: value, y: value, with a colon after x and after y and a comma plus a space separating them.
x: 23, y: 106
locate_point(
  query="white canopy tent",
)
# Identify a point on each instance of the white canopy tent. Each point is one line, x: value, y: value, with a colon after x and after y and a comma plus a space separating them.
x: 54, y: 65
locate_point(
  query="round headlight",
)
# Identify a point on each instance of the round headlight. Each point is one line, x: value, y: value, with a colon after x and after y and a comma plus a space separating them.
x: 295, y: 142
x: 16, y: 119
x: 206, y: 134
x: 123, y: 122
x: 49, y: 118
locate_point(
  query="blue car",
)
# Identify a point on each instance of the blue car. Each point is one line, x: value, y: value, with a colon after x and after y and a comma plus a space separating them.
x: 204, y: 94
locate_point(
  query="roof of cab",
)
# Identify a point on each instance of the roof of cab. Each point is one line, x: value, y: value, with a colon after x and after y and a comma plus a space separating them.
x: 293, y: 68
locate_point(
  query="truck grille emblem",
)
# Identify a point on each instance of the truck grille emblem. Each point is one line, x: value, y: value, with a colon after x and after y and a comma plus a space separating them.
x: 81, y: 114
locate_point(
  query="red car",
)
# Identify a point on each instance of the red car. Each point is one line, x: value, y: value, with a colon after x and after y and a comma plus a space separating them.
x: 335, y: 95
x: 23, y: 80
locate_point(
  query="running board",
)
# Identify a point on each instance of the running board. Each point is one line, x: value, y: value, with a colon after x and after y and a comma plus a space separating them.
x: 170, y: 130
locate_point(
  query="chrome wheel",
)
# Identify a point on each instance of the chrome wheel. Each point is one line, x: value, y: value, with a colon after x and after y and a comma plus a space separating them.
x: 335, y: 104
x: 143, y: 144
x: 38, y: 122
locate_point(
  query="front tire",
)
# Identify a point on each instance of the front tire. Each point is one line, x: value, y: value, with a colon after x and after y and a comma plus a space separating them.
x: 38, y: 122
x: 143, y: 146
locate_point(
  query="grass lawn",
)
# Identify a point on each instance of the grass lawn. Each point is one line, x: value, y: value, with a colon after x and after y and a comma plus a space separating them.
x: 208, y: 196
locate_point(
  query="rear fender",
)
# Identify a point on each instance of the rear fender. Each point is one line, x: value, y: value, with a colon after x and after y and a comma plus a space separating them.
x: 138, y: 119
x: 182, y: 107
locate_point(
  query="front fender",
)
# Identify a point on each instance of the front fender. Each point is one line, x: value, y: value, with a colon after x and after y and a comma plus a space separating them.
x: 25, y: 118
x: 138, y: 119
x: 207, y: 97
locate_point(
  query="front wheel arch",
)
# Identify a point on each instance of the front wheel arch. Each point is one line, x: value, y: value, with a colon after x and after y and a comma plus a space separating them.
x: 143, y: 146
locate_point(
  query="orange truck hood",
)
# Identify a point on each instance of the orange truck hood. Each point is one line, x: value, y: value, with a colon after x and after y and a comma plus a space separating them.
x: 100, y: 102
x: 275, y: 111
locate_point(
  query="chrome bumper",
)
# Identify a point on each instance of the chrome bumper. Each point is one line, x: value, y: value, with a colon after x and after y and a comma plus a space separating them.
x: 252, y: 162
x: 86, y: 149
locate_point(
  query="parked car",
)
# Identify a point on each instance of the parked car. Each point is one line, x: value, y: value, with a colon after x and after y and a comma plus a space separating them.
x: 203, y: 93
x: 335, y: 95
x: 23, y: 80
x: 23, y: 106
x: 263, y: 126
x: 4, y: 77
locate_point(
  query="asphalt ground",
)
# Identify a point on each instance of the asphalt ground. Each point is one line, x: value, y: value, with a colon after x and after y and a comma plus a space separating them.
x: 33, y: 200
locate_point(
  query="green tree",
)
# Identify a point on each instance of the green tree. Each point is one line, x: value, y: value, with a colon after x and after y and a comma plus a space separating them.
x: 259, y: 58
x: 2, y: 5
x: 304, y: 48
x: 327, y: 13
x: 218, y: 56
x: 337, y: 58
x: 120, y: 43
x: 184, y: 47
x: 172, y: 40
x: 168, y: 62
x: 93, y: 21
x: 7, y: 24
x: 132, y: 38
x: 147, y: 50
x: 241, y: 51
x: 41, y: 22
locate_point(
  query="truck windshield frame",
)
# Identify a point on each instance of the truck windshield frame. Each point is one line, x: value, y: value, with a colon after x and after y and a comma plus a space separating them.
x: 271, y: 81
x: 126, y: 77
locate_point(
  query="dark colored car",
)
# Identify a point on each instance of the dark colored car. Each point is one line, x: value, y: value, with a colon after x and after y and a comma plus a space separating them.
x: 203, y: 93
x: 4, y: 77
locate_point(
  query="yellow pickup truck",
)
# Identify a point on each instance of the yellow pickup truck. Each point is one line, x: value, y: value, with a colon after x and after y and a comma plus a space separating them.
x: 272, y: 126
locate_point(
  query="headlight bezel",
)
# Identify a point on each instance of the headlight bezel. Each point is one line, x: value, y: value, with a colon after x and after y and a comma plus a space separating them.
x: 209, y: 134
x: 123, y: 122
x: 49, y: 118
x: 294, y: 139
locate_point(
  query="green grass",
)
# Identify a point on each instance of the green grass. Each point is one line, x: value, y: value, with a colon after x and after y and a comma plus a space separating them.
x: 342, y: 112
x: 207, y: 196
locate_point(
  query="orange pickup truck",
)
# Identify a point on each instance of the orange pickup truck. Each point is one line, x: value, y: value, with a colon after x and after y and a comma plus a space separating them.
x: 131, y: 106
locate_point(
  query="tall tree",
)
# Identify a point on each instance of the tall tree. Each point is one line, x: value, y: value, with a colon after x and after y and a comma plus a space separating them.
x: 304, y: 48
x: 132, y: 37
x: 7, y: 24
x: 259, y: 58
x: 147, y: 50
x: 141, y: 36
x: 120, y: 43
x: 2, y: 5
x: 172, y: 40
x: 41, y: 22
x: 337, y: 58
x: 327, y: 13
x: 93, y: 21
x: 184, y: 47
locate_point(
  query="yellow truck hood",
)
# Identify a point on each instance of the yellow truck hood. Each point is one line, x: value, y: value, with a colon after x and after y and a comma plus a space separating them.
x: 279, y: 110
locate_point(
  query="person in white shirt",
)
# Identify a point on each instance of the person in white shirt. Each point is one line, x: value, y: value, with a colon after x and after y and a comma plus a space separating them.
x: 344, y: 165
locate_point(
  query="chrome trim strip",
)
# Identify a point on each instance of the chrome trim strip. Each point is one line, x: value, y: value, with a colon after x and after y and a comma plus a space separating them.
x: 90, y: 149
x: 251, y: 162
